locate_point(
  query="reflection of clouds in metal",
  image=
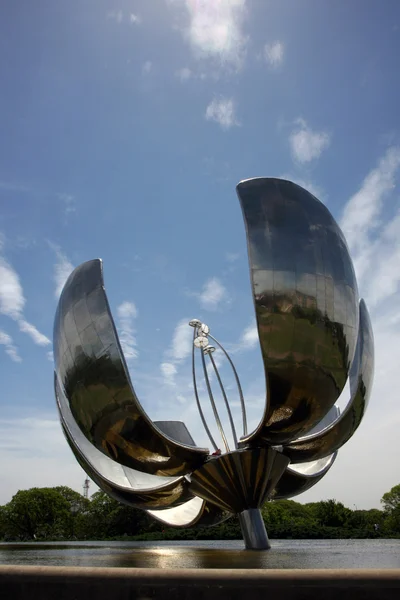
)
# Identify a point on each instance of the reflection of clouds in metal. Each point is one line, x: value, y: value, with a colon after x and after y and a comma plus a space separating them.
x: 314, y: 335
x: 334, y: 436
x: 92, y: 370
x: 306, y: 303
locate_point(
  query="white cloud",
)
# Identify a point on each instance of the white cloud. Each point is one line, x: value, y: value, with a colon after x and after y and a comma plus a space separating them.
x: 37, y: 337
x: 62, y: 270
x: 50, y: 356
x: 10, y: 349
x: 249, y: 338
x: 181, y: 345
x: 69, y: 203
x: 169, y: 371
x: 215, y: 30
x: 11, y: 186
x: 374, y: 240
x: 306, y: 144
x: 115, y: 15
x: 12, y: 303
x: 126, y: 313
x: 274, y: 53
x: 232, y: 256
x: 183, y: 74
x: 12, y: 300
x: 178, y: 351
x: 119, y: 17
x: 371, y: 224
x: 147, y: 66
x: 44, y: 465
x: 222, y: 111
x: 134, y: 19
x: 212, y: 294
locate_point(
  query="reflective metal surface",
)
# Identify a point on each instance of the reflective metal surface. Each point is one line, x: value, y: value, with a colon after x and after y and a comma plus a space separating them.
x: 194, y: 513
x: 314, y: 334
x: 306, y: 303
x: 122, y: 483
x: 92, y: 370
x: 253, y: 529
x: 239, y: 480
x: 340, y: 431
x: 302, y: 477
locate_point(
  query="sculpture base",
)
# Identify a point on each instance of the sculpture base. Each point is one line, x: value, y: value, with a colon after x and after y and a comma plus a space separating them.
x: 253, y: 529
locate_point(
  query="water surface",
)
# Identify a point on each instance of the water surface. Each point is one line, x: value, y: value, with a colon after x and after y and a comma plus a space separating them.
x: 285, y: 554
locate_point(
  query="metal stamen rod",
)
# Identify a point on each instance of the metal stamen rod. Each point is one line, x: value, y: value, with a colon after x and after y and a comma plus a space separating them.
x: 228, y: 408
x: 197, y: 396
x: 237, y: 383
x: 215, y: 411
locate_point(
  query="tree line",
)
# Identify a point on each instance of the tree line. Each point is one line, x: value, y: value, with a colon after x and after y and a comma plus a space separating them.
x: 60, y: 513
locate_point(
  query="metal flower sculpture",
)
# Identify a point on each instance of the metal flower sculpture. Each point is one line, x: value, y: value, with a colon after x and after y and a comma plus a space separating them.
x: 314, y: 335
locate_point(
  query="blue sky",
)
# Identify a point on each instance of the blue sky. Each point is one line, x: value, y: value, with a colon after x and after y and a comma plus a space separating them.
x: 125, y: 127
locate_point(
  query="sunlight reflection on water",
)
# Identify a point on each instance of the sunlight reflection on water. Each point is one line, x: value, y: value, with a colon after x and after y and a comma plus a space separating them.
x: 285, y: 554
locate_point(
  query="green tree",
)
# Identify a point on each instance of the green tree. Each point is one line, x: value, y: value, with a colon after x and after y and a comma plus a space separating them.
x: 391, y: 505
x: 107, y: 518
x: 332, y: 513
x: 37, y: 513
x: 391, y: 500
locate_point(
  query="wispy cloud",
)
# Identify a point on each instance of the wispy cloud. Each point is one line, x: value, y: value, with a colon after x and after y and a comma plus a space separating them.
x: 116, y: 15
x: 183, y: 74
x: 69, y: 203
x: 232, y: 256
x: 249, y: 338
x: 274, y: 54
x: 178, y: 351
x: 212, y: 294
x: 222, y: 111
x: 22, y: 450
x: 307, y: 145
x: 37, y: 337
x: 12, y: 303
x: 119, y: 16
x: 12, y: 300
x: 62, y: 270
x: 127, y: 313
x: 181, y: 345
x: 134, y: 19
x: 373, y: 238
x: 7, y: 341
x: 215, y: 30
x: 147, y: 66
x: 169, y: 371
x: 11, y: 186
x: 371, y: 224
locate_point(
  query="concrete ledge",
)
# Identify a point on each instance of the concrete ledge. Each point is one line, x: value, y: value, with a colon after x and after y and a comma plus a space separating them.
x: 88, y: 583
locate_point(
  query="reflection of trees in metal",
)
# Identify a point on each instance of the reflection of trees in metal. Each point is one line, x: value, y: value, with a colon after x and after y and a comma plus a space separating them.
x: 313, y: 334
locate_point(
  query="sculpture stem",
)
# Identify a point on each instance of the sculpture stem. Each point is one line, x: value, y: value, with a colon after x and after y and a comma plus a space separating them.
x: 253, y: 529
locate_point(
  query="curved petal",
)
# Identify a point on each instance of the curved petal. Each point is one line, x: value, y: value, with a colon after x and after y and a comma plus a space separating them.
x: 338, y: 433
x: 301, y: 478
x: 92, y: 370
x: 195, y: 512
x: 306, y: 303
x: 122, y: 483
